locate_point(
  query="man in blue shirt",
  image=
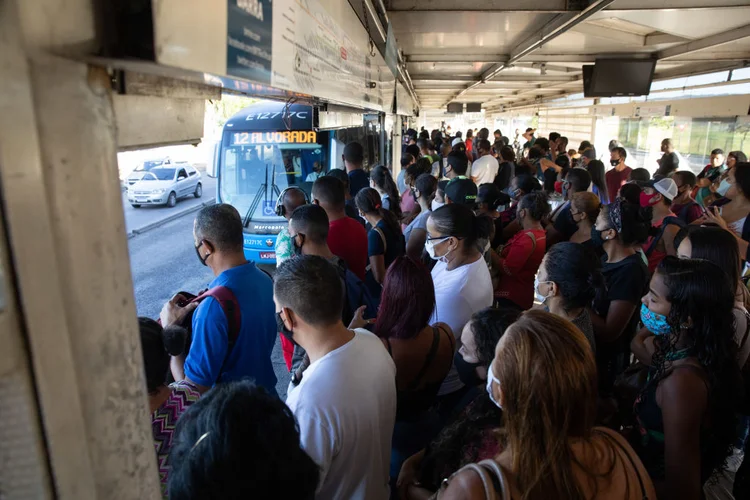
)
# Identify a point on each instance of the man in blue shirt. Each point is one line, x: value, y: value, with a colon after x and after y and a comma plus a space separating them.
x: 218, y: 243
x: 354, y: 158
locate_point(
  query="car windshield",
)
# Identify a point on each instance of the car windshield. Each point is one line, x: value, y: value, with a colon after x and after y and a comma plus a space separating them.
x: 253, y: 176
x: 159, y: 174
x: 148, y: 165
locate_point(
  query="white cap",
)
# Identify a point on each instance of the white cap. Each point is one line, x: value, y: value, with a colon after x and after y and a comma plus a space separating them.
x: 666, y: 187
x: 457, y: 140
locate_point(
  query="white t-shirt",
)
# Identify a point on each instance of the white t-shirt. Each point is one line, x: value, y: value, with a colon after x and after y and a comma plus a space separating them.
x: 459, y: 294
x: 485, y: 169
x: 345, y: 406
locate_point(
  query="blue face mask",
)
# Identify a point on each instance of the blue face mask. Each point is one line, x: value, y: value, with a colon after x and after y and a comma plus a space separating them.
x: 724, y: 187
x: 654, y: 323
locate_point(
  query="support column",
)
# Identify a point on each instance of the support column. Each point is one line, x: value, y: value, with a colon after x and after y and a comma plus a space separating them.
x: 67, y: 236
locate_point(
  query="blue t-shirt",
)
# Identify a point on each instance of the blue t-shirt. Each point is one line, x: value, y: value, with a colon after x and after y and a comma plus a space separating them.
x: 358, y: 180
x: 251, y: 354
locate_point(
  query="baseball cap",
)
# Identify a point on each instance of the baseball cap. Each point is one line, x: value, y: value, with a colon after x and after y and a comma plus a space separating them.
x: 457, y: 140
x: 666, y: 187
x: 462, y: 191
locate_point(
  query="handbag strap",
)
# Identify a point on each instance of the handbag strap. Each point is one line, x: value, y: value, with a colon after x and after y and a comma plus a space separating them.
x: 493, y: 479
x: 382, y: 237
x: 617, y: 443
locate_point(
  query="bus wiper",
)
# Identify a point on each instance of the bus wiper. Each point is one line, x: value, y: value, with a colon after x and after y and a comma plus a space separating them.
x: 262, y: 193
x: 254, y: 205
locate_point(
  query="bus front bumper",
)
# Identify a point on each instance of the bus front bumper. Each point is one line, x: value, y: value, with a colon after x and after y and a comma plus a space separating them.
x: 260, y: 249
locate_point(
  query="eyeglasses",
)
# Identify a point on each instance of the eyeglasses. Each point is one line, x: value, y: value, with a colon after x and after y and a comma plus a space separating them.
x: 437, y: 238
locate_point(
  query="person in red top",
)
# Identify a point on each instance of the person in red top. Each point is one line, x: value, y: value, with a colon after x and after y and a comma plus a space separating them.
x: 346, y: 237
x: 520, y: 258
x: 659, y: 195
x: 684, y: 206
x: 619, y: 174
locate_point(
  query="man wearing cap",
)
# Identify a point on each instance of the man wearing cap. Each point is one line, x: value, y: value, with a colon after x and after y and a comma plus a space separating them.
x: 587, y: 156
x: 619, y: 175
x: 659, y: 195
x: 460, y: 189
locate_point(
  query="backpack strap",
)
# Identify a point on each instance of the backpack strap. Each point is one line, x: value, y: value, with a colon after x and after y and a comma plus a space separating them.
x: 228, y: 302
x: 683, y: 215
x: 382, y: 237
x: 656, y: 239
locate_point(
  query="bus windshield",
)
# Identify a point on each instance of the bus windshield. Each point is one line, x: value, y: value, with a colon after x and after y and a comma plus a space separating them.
x: 253, y: 176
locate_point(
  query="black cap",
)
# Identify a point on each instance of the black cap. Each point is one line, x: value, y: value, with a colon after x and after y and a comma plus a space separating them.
x: 462, y: 191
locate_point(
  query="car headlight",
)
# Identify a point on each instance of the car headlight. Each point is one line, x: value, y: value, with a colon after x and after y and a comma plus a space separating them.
x: 158, y: 191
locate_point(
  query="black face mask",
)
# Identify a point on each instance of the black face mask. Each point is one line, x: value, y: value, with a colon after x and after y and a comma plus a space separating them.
x: 614, y: 163
x: 281, y: 327
x: 596, y: 237
x: 297, y: 250
x: 467, y: 372
x: 197, y: 252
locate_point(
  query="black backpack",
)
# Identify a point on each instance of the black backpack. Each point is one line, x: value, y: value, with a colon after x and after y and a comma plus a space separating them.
x: 670, y: 220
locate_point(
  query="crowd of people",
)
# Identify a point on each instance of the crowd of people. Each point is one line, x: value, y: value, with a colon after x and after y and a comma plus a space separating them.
x: 495, y: 321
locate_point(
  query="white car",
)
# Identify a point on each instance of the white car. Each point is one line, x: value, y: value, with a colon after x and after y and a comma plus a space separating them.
x: 164, y: 185
x: 147, y: 165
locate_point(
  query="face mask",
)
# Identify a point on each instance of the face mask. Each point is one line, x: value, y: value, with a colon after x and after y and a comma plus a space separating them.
x: 539, y: 297
x: 614, y: 163
x: 436, y: 204
x: 297, y: 250
x: 648, y: 200
x: 654, y: 323
x: 491, y: 378
x: 281, y: 327
x: 596, y: 237
x: 724, y: 187
x: 197, y: 252
x: 467, y: 372
x: 430, y: 247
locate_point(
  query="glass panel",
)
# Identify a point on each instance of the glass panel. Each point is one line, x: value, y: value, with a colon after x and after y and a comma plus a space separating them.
x: 252, y: 177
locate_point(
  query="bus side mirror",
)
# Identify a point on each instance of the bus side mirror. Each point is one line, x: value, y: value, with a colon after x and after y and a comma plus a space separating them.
x: 213, y: 165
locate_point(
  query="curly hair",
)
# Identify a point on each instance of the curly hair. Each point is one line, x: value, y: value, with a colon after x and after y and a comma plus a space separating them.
x: 455, y: 445
x: 537, y: 205
x: 701, y: 314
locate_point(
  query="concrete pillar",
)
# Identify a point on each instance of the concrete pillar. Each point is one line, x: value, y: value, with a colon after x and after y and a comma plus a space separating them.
x: 65, y: 223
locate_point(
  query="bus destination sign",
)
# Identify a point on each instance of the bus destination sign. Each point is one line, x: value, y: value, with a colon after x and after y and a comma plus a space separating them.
x: 285, y: 137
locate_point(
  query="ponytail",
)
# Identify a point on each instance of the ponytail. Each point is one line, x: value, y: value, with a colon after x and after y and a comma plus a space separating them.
x: 368, y: 201
x: 383, y: 179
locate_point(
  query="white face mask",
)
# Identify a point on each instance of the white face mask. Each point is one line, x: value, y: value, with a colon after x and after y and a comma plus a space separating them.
x: 436, y: 204
x: 539, y: 297
x: 429, y: 245
x: 490, y: 379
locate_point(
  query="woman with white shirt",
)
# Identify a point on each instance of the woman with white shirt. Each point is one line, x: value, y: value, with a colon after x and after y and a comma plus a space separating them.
x: 462, y: 279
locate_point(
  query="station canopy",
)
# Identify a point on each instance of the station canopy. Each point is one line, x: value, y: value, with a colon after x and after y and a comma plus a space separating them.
x: 506, y: 54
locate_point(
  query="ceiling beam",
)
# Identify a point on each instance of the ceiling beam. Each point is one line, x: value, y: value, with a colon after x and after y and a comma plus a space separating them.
x: 705, y: 43
x: 699, y: 69
x: 548, y: 6
x: 659, y: 38
x: 552, y: 6
x: 559, y: 25
x: 431, y: 77
x: 610, y: 34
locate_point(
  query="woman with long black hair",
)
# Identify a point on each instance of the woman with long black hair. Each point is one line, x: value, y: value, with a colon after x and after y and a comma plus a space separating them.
x: 382, y: 181
x: 385, y: 242
x: 686, y: 413
x: 598, y: 182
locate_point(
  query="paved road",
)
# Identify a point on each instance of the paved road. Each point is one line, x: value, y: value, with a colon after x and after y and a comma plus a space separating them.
x: 163, y: 262
x: 136, y: 218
